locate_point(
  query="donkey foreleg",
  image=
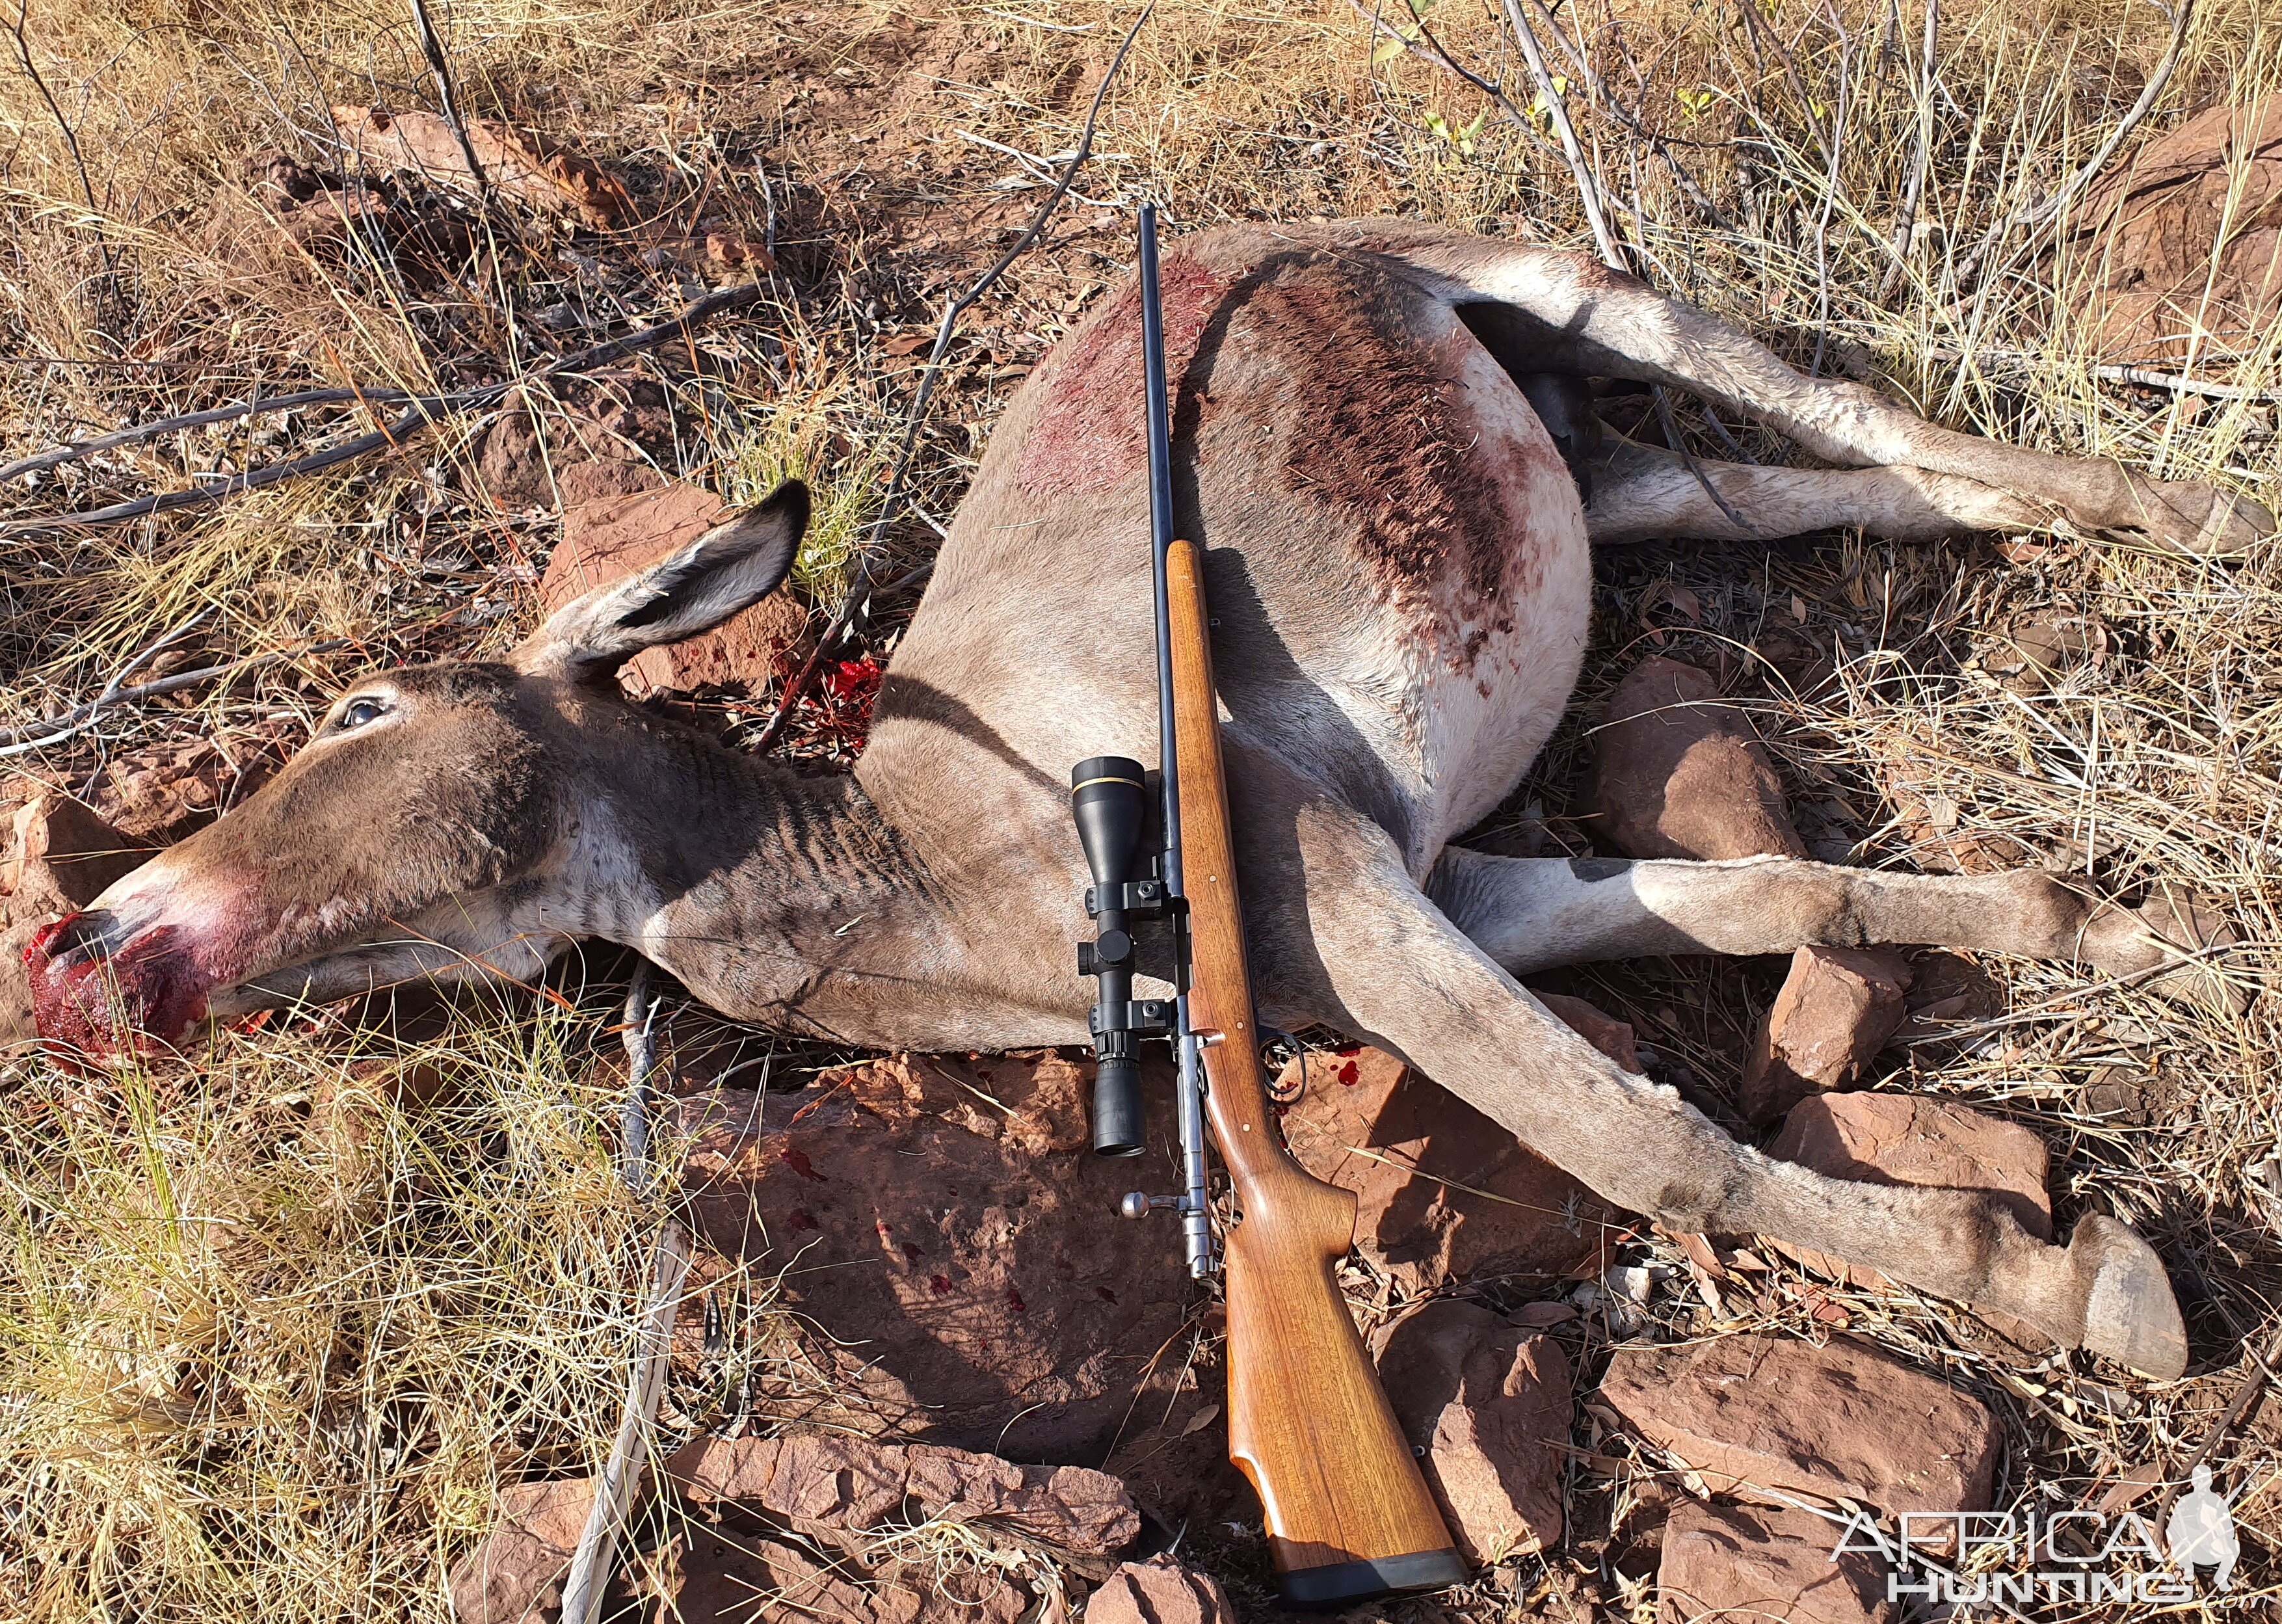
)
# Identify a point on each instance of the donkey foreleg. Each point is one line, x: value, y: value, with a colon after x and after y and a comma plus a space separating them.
x: 1645, y: 493
x: 1386, y: 964
x: 1535, y: 914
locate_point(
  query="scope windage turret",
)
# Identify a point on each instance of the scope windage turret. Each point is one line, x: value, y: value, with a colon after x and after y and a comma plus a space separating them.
x: 1109, y: 799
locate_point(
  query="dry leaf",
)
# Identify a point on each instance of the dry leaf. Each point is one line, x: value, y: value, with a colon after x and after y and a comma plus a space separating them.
x: 526, y: 166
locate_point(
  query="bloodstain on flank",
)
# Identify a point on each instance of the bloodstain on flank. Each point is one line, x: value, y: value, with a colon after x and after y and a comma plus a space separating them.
x: 939, y: 1286
x: 1092, y: 432
x: 1014, y: 1300
x: 1348, y: 1074
x: 799, y: 1219
x: 797, y: 1161
x: 1386, y: 432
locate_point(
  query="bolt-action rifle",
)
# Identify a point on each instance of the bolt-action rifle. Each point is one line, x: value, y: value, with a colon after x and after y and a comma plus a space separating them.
x: 1348, y: 1514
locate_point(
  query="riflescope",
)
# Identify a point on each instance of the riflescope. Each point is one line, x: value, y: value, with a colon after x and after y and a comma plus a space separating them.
x: 1109, y: 797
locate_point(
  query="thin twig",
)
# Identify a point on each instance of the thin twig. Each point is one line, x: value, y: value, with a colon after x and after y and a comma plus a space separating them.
x: 77, y: 449
x: 431, y: 46
x: 70, y: 137
x: 2032, y: 216
x: 1426, y: 47
x: 1588, y: 189
x: 868, y: 556
x: 1905, y: 218
x: 424, y: 411
x: 50, y: 730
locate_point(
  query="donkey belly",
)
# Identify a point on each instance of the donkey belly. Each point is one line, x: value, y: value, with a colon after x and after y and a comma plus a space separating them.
x: 1396, y: 554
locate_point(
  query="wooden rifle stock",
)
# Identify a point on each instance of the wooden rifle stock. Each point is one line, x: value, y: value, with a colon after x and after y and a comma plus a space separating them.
x: 1348, y: 1514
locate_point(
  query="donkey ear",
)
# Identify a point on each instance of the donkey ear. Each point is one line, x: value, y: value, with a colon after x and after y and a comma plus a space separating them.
x: 732, y: 565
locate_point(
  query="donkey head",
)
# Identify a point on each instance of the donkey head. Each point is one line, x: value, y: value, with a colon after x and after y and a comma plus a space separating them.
x: 442, y: 820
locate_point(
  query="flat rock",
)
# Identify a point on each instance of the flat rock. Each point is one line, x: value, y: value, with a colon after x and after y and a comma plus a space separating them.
x: 2185, y: 237
x: 1443, y: 1191
x: 1489, y: 1404
x: 62, y: 854
x: 63, y: 848
x: 583, y: 438
x: 515, y: 1575
x: 962, y: 1274
x: 1611, y: 1036
x: 612, y: 535
x: 831, y: 1486
x: 1162, y: 1591
x: 742, y: 1577
x: 1678, y: 773
x: 1758, y: 1413
x: 1836, y: 1009
x: 1908, y: 1139
x: 1752, y: 1565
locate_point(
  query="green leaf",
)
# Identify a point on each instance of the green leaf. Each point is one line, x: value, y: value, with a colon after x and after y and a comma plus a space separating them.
x: 1388, y: 49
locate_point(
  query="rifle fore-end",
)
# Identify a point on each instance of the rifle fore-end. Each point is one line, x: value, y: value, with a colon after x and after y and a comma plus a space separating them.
x: 1349, y: 1513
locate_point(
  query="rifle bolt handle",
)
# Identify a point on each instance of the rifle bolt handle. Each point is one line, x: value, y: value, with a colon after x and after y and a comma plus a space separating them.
x: 1139, y: 1205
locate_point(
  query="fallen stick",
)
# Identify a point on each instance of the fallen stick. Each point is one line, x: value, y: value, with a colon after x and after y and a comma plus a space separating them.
x: 423, y: 411
x: 596, y: 1557
x: 141, y: 431
x: 859, y: 590
x: 53, y: 729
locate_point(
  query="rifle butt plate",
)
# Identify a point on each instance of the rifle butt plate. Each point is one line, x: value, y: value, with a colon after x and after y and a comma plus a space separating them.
x: 1342, y: 1583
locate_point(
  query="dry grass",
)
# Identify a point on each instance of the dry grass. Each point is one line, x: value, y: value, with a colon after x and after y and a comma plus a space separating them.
x: 268, y: 1340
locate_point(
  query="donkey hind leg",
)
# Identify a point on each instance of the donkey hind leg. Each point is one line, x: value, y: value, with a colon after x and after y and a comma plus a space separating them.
x: 1535, y: 914
x: 1637, y: 492
x: 1377, y: 957
x: 1553, y: 311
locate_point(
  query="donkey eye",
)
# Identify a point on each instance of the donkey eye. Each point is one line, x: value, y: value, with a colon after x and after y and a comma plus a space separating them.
x: 358, y: 713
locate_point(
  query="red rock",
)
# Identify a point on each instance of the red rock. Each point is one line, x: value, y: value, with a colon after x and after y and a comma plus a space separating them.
x: 831, y: 1487
x: 615, y: 535
x: 886, y: 1178
x: 1417, y: 1156
x: 63, y: 846
x: 1758, y: 1566
x: 1757, y: 1413
x: 1907, y: 1139
x: 1836, y: 1009
x: 1162, y: 1591
x: 1489, y: 1404
x: 721, y: 1576
x: 515, y: 1576
x: 1611, y: 1036
x: 615, y: 426
x: 2184, y: 238
x: 62, y: 856
x: 1680, y: 774
x: 158, y: 796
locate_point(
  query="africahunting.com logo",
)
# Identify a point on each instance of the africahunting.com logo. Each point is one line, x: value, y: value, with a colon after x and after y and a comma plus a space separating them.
x: 2017, y: 1559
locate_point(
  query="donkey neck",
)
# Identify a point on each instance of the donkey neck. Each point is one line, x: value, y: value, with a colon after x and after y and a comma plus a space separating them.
x: 779, y: 897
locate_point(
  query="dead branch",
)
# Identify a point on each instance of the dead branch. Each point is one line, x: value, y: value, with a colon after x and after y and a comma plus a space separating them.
x: 53, y: 729
x: 421, y: 412
x: 77, y: 449
x: 21, y: 28
x: 1905, y: 218
x: 857, y: 598
x: 2032, y: 216
x: 439, y: 65
x: 1588, y: 189
x: 1426, y: 47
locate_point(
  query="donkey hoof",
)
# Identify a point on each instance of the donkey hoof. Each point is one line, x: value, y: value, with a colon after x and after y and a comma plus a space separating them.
x: 2129, y: 1313
x: 2177, y: 927
x: 2191, y: 518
